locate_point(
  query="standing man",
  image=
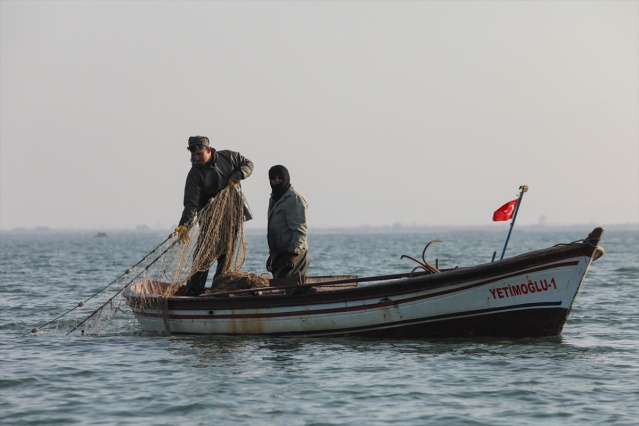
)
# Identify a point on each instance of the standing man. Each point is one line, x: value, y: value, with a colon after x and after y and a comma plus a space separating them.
x: 287, y: 222
x: 211, y: 171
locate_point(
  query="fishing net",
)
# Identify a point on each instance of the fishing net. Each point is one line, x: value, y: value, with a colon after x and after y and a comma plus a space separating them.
x: 217, y: 232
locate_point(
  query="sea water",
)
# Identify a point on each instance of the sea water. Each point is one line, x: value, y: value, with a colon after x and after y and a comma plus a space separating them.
x: 588, y: 375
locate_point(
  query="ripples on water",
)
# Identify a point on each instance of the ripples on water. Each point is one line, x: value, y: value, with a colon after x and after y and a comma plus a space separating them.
x: 589, y: 375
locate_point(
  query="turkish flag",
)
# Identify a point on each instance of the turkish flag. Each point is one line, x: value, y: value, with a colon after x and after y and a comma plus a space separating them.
x: 506, y: 211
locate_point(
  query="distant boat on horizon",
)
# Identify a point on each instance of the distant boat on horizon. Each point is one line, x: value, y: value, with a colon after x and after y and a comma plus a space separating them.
x: 101, y: 234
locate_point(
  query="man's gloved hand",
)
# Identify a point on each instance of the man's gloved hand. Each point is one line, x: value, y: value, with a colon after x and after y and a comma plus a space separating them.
x: 234, y: 179
x: 290, y: 262
x: 268, y: 264
x: 182, y: 233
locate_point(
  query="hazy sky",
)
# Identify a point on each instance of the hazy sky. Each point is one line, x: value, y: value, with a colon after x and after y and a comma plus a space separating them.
x: 429, y: 113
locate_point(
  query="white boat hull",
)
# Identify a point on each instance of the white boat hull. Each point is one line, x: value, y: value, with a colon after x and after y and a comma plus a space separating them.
x: 510, y: 298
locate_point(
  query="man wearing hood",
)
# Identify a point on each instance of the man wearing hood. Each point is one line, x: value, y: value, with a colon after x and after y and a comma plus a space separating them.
x: 211, y: 171
x: 287, y: 223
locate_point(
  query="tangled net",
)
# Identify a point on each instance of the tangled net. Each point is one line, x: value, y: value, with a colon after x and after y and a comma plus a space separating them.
x: 218, y: 229
x: 237, y: 281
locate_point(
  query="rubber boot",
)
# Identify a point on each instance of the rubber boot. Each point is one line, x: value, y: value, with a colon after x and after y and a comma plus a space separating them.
x: 220, y: 265
x: 195, y: 285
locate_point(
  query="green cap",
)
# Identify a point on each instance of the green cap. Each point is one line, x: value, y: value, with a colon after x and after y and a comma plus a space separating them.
x: 198, y: 140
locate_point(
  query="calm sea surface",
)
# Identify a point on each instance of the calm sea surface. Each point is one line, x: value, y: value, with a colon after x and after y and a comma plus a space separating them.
x: 589, y: 375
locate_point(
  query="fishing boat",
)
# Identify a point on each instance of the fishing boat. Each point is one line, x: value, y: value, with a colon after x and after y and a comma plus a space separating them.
x: 528, y: 295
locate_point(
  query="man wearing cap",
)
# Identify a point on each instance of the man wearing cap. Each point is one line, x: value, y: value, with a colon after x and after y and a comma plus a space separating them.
x: 211, y: 171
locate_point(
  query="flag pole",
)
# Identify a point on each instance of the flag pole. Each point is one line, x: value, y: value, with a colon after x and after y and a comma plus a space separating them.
x: 523, y: 189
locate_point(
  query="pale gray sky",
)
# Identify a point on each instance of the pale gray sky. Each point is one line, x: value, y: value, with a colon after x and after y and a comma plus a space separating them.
x: 430, y: 113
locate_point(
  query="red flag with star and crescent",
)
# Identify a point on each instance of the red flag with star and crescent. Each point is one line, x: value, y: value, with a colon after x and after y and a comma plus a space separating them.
x: 506, y: 211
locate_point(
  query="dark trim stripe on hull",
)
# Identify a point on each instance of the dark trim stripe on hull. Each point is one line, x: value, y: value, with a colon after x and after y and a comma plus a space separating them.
x: 538, y: 319
x: 537, y: 322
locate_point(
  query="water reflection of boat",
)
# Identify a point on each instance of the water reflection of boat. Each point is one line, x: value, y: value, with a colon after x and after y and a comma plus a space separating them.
x: 524, y: 296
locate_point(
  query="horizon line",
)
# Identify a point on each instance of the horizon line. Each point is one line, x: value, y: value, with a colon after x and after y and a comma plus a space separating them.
x: 364, y: 227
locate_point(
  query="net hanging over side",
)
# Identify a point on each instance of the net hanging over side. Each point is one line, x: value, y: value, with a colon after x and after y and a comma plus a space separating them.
x: 217, y: 230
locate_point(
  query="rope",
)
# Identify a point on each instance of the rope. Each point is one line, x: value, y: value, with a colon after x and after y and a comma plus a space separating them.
x: 122, y: 289
x: 219, y: 231
x: 79, y: 305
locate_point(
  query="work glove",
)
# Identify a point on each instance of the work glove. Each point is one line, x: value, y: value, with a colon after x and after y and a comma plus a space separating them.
x: 233, y: 180
x: 268, y: 264
x: 290, y: 264
x: 182, y: 233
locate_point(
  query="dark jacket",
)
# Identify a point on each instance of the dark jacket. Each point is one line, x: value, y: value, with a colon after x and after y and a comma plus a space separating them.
x: 205, y: 182
x: 287, y: 223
